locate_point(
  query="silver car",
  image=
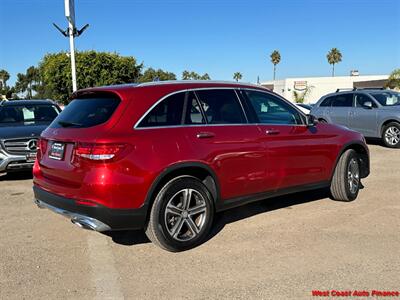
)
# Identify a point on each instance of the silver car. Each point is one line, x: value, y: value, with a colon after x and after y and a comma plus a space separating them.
x: 373, y: 112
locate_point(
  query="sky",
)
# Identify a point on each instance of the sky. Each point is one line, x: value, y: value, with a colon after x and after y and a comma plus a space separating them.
x: 219, y: 37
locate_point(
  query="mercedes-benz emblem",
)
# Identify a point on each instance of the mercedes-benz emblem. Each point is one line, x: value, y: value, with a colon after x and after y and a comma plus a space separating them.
x: 32, y: 145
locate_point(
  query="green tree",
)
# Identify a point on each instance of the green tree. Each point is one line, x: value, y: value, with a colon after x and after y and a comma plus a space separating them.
x: 28, y: 82
x: 150, y: 75
x: 275, y: 59
x: 190, y: 75
x: 237, y: 76
x: 334, y: 57
x: 4, y: 76
x: 92, y: 69
x: 394, y: 80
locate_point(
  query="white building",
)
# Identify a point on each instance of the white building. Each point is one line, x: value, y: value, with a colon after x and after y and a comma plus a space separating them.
x: 320, y: 86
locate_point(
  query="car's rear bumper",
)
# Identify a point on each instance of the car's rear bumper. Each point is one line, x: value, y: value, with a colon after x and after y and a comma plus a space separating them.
x: 98, y: 217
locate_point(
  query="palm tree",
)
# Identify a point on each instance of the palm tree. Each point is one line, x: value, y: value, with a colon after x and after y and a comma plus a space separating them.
x: 4, y: 76
x: 275, y: 59
x: 334, y: 56
x: 237, y: 76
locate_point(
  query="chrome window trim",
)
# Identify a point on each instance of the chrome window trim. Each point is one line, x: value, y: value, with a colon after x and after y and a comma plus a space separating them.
x: 136, y: 126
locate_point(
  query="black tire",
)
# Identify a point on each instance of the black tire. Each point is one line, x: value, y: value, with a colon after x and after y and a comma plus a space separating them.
x: 391, y: 135
x: 164, y: 223
x: 343, y: 186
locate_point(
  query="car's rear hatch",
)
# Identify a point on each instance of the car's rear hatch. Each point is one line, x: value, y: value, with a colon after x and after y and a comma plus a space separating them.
x: 74, y: 132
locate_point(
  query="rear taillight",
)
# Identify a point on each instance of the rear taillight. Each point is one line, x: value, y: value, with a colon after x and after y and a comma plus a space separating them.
x: 98, y: 152
x: 42, y: 148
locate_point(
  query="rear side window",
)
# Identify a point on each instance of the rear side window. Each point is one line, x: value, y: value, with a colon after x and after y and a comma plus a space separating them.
x: 221, y: 106
x: 327, y: 102
x: 167, y: 113
x: 86, y: 112
x: 345, y: 100
x: 193, y: 112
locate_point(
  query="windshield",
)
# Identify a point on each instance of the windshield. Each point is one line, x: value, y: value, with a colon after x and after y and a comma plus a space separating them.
x: 387, y: 98
x: 29, y: 114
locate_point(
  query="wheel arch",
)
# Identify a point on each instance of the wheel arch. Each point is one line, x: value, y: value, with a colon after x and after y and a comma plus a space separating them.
x: 363, y: 153
x: 386, y: 122
x: 196, y: 169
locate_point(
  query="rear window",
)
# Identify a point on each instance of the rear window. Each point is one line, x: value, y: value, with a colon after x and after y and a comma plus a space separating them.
x: 86, y: 112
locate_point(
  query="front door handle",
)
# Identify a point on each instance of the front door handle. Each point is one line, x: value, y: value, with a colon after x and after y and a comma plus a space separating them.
x: 205, y: 135
x: 272, y: 131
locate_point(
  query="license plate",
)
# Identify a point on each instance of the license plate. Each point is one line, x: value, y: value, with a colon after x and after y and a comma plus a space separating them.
x: 57, y: 151
x: 30, y: 157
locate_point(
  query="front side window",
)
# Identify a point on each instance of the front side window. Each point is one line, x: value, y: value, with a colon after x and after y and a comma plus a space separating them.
x: 387, y: 98
x: 345, y: 100
x: 221, y: 106
x: 272, y: 110
x: 360, y: 100
x: 167, y: 113
x: 28, y: 114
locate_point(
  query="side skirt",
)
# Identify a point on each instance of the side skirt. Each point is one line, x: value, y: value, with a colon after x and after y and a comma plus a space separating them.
x: 239, y: 201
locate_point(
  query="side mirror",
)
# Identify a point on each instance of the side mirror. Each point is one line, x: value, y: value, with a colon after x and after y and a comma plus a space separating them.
x: 368, y: 104
x: 311, y: 120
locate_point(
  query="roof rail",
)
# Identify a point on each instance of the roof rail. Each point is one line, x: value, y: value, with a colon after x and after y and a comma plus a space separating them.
x: 371, y: 88
x: 345, y: 89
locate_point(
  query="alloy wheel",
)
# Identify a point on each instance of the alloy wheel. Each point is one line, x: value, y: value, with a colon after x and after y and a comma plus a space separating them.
x: 353, y: 175
x: 392, y: 135
x: 185, y: 214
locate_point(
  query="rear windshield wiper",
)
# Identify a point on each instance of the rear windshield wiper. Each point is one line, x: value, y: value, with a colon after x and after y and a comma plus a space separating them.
x: 69, y: 124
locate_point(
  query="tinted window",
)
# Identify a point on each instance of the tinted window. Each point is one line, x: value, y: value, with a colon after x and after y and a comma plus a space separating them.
x: 86, y: 112
x: 272, y: 110
x: 28, y: 114
x: 360, y: 100
x: 167, y: 113
x: 193, y: 113
x: 345, y: 100
x: 221, y: 106
x: 327, y: 102
x: 387, y: 98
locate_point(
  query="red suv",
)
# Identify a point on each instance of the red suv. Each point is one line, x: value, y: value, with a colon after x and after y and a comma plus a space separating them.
x: 166, y: 156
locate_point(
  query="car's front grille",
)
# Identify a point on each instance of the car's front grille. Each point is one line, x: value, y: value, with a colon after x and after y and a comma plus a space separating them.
x: 20, y: 146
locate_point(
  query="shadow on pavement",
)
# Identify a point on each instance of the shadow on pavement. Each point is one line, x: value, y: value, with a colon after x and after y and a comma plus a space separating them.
x: 23, y: 175
x: 130, y: 238
x: 375, y: 141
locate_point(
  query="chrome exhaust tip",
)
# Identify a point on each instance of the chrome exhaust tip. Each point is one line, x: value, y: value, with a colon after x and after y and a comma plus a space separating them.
x: 82, y: 221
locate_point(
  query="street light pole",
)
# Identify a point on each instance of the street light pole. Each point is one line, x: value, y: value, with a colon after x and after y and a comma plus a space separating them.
x: 72, y: 54
x: 71, y: 32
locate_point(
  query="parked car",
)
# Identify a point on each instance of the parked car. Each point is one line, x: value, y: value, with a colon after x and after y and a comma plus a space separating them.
x: 21, y: 123
x: 373, y: 112
x: 305, y: 108
x: 167, y: 156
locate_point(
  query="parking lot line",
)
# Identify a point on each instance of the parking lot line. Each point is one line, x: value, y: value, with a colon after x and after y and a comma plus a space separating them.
x: 104, y: 275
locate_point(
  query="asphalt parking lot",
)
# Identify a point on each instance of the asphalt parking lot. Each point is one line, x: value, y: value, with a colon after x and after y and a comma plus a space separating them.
x: 281, y: 248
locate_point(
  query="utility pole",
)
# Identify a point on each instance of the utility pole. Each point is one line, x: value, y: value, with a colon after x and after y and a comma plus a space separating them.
x: 71, y: 32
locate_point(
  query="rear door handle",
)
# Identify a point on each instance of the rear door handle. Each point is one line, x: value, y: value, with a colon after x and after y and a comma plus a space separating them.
x: 272, y: 131
x: 205, y: 135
